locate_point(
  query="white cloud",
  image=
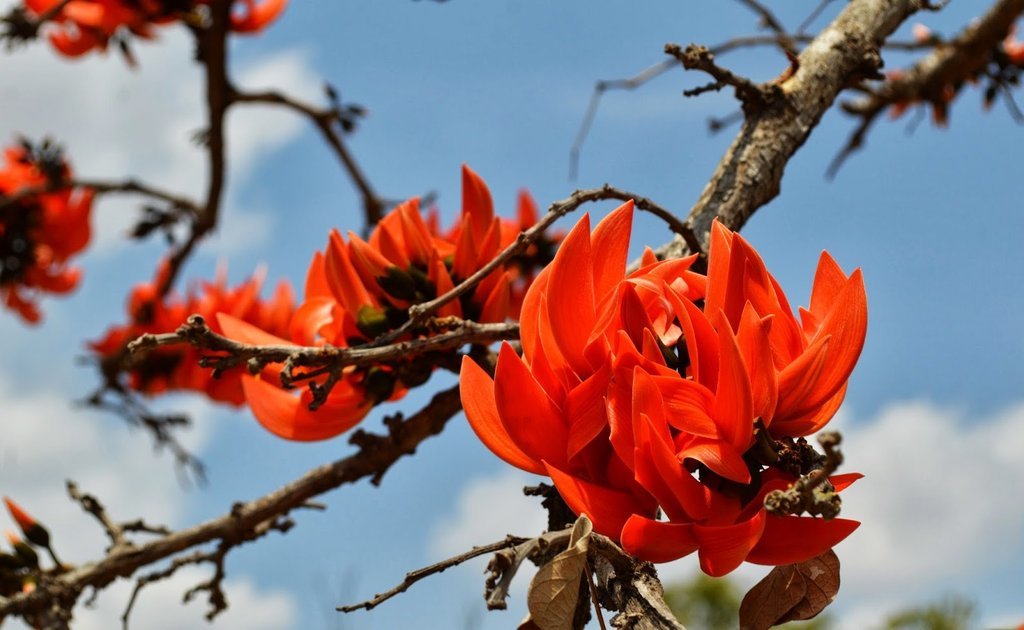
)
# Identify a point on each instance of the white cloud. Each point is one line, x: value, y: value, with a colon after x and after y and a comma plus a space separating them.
x: 934, y: 505
x: 118, y: 122
x: 47, y: 441
x: 487, y: 509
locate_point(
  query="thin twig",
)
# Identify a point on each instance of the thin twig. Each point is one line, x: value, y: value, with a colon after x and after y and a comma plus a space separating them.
x: 420, y: 313
x: 213, y: 54
x: 415, y: 576
x: 326, y: 121
x: 93, y: 506
x: 100, y: 187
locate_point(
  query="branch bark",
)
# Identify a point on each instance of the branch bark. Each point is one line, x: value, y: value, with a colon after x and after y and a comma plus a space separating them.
x: 750, y: 173
x: 375, y: 456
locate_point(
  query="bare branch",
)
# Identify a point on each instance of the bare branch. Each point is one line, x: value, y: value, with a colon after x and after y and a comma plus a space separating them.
x: 377, y: 453
x: 415, y: 576
x: 624, y: 584
x: 929, y: 80
x: 750, y: 173
x: 93, y: 506
x: 326, y: 121
x: 115, y: 397
x: 455, y: 334
x: 101, y: 187
x: 213, y: 54
x: 695, y: 57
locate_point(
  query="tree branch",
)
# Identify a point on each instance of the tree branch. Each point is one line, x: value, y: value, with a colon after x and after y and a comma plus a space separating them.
x: 325, y: 120
x: 750, y: 173
x: 101, y: 187
x: 377, y: 453
x: 949, y: 65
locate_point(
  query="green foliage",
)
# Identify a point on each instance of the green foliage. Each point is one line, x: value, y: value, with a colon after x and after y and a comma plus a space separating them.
x: 713, y: 604
x: 951, y: 613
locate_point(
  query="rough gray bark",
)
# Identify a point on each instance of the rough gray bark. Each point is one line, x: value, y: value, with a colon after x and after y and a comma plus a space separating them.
x: 750, y: 173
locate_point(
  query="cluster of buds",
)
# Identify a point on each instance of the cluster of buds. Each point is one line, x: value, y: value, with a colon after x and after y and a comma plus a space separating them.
x: 357, y: 290
x: 177, y: 367
x: 20, y: 569
x: 85, y: 25
x: 672, y: 393
x: 39, y: 232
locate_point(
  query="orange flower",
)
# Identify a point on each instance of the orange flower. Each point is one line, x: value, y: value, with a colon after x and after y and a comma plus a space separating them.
x: 640, y: 392
x: 38, y: 234
x: 85, y: 25
x: 358, y: 289
x: 177, y: 367
x: 811, y: 360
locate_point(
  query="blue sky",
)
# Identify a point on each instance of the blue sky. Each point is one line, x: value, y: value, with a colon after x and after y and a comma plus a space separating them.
x: 935, y: 408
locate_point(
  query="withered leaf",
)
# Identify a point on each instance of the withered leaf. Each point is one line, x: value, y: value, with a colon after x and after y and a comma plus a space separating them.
x: 554, y: 591
x: 791, y: 593
x: 821, y: 574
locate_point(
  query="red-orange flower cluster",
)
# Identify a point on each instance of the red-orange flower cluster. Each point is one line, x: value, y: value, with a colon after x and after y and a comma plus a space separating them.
x: 358, y: 289
x: 85, y: 25
x: 668, y: 389
x: 171, y: 368
x: 39, y: 233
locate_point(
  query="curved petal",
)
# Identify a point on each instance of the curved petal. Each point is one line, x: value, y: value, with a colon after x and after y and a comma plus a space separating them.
x: 733, y: 404
x: 657, y: 541
x: 688, y: 405
x: 530, y: 418
x: 721, y: 457
x: 477, y: 390
x: 607, y: 508
x: 724, y: 548
x: 570, y: 290
x: 245, y: 332
x: 477, y: 207
x: 791, y: 539
x: 585, y: 408
x: 610, y: 246
x: 289, y: 417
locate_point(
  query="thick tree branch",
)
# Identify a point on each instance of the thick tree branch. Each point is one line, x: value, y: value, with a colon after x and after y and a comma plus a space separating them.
x: 929, y: 80
x: 377, y: 453
x: 196, y: 333
x: 750, y: 173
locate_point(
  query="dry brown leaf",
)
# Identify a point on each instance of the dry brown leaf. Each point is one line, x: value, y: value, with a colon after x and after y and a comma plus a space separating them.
x: 821, y: 575
x: 555, y: 590
x: 791, y: 593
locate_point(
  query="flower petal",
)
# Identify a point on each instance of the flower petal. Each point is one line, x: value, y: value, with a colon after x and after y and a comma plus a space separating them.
x: 477, y: 390
x: 657, y: 541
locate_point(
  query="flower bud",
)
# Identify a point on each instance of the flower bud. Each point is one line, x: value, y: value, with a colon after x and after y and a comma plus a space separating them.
x: 34, y: 532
